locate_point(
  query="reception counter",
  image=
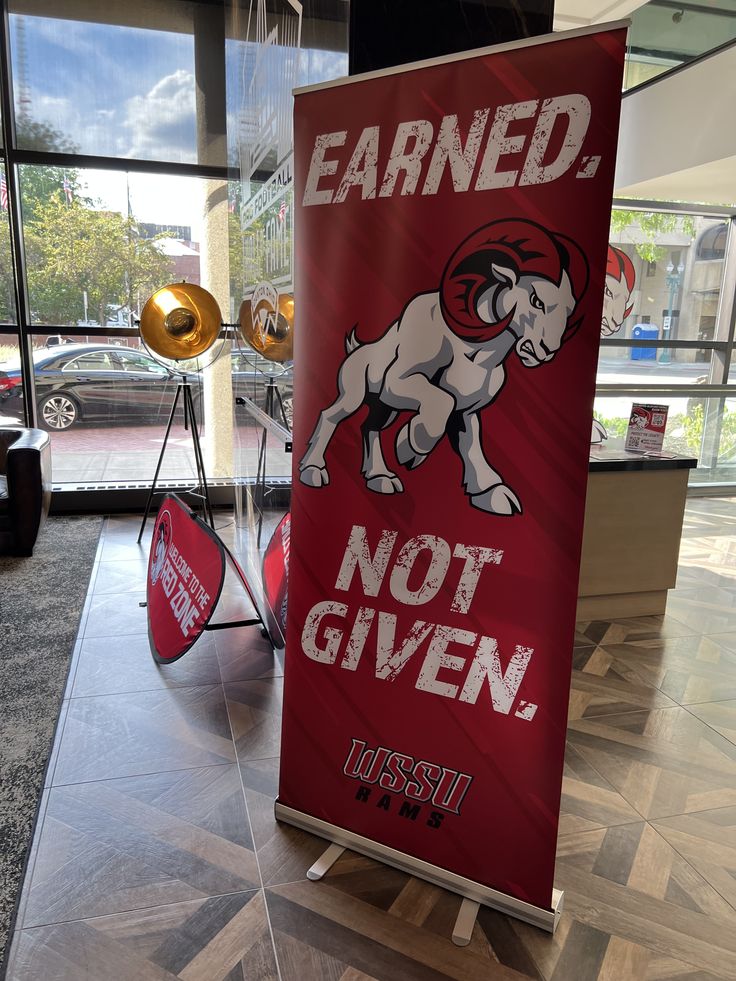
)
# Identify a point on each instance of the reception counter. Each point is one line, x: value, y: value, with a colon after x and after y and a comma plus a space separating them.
x: 633, y: 524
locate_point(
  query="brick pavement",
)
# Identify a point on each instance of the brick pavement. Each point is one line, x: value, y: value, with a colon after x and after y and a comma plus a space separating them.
x: 128, y: 454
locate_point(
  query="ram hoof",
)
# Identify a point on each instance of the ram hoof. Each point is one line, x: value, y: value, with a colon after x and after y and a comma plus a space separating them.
x: 384, y: 484
x: 497, y: 500
x: 314, y: 476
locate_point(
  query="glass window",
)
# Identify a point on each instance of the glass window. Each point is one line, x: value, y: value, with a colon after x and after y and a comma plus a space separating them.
x: 664, y: 35
x: 95, y: 361
x: 663, y: 285
x: 106, y: 424
x: 8, y: 313
x: 253, y: 375
x: 699, y: 426
x: 99, y: 242
x: 683, y: 435
x: 123, y: 88
x: 139, y: 362
x: 663, y: 329
x: 11, y: 392
x: 712, y: 242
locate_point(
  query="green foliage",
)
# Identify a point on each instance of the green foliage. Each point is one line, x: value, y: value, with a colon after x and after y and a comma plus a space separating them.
x: 40, y: 185
x: 32, y: 134
x: 684, y: 431
x: 235, y: 250
x: 693, y: 427
x: 615, y: 427
x: 694, y: 423
x: 71, y: 249
x: 652, y: 224
x: 7, y: 295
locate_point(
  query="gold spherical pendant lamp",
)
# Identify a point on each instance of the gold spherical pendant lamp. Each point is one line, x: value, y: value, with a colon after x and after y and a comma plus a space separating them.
x: 180, y: 321
x: 267, y: 323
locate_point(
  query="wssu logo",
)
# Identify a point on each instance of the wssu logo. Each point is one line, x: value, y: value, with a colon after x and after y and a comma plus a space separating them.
x: 397, y: 773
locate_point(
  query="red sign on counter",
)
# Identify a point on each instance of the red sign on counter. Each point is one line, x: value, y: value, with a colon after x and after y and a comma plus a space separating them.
x: 647, y: 425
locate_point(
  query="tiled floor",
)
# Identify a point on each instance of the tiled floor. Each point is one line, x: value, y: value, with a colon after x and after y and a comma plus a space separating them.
x: 158, y: 856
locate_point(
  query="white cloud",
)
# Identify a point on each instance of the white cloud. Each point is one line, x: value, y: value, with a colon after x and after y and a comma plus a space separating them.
x: 162, y: 123
x: 75, y: 117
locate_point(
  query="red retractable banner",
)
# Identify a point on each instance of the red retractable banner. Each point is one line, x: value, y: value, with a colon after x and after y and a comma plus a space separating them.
x: 451, y: 246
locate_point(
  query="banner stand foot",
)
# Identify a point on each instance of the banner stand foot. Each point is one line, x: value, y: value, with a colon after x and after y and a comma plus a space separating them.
x: 325, y: 862
x: 474, y: 894
x: 463, y: 929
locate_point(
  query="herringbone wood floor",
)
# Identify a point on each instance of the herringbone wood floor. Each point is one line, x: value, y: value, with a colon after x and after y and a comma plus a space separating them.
x: 157, y: 855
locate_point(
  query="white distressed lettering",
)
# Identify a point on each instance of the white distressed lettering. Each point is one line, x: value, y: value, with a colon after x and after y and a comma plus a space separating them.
x: 577, y: 110
x: 499, y: 143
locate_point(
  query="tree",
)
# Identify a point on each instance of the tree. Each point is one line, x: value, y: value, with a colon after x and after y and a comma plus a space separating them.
x: 7, y: 294
x: 32, y: 134
x: 38, y: 182
x: 653, y: 224
x: 235, y: 250
x: 72, y: 249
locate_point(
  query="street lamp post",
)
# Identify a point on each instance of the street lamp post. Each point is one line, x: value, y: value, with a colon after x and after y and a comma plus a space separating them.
x: 672, y: 281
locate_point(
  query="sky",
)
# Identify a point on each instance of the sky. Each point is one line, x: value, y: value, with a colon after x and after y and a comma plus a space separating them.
x: 127, y: 92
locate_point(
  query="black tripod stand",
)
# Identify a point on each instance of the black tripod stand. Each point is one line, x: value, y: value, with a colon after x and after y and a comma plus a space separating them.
x: 183, y: 390
x: 273, y: 403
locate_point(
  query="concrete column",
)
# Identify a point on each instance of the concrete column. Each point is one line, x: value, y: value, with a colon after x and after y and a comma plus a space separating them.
x: 217, y: 443
x: 209, y: 67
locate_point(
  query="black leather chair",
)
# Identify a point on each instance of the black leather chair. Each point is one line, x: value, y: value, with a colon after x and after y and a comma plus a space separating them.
x: 25, y: 488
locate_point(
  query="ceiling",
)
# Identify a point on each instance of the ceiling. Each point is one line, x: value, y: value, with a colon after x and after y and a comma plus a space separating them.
x: 579, y: 13
x: 675, y: 140
x: 672, y: 145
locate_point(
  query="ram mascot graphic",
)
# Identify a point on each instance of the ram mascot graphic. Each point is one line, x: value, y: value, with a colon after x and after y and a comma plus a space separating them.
x: 511, y: 286
x: 617, y: 293
x: 620, y: 281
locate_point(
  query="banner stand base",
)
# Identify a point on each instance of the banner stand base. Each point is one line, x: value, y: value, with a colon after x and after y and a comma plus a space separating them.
x: 462, y: 932
x: 474, y: 893
x: 325, y: 862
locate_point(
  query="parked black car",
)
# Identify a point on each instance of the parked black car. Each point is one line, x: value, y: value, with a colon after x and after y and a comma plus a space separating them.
x: 112, y: 383
x: 91, y: 383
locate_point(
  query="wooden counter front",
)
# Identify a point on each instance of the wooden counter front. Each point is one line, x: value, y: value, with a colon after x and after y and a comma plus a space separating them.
x: 631, y: 540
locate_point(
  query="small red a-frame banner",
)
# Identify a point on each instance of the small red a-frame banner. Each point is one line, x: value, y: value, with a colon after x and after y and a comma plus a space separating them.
x: 186, y: 570
x: 276, y: 581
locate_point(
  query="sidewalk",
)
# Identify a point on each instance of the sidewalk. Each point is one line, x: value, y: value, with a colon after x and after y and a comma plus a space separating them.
x: 129, y: 454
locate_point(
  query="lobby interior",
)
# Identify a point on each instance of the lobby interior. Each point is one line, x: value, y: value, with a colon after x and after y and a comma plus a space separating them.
x: 156, y: 854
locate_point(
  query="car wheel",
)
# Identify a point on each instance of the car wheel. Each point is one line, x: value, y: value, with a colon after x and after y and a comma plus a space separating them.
x: 57, y: 412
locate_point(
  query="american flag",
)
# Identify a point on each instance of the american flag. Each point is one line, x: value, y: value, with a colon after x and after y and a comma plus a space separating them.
x: 282, y: 210
x: 3, y: 193
x: 68, y: 190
